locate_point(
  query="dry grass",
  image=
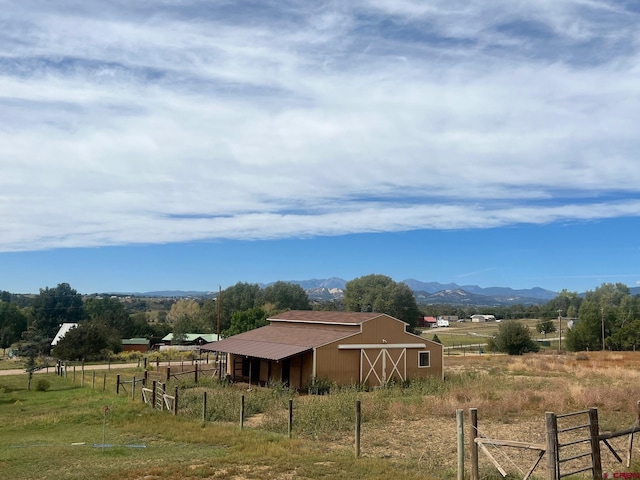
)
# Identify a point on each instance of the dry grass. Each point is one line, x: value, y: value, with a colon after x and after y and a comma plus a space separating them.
x: 407, y: 432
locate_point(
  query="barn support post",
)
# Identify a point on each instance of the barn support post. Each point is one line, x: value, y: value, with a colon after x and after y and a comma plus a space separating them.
x: 358, y: 425
x: 552, y: 446
x: 460, y: 429
x: 475, y: 469
x: 594, y: 432
x: 117, y: 384
x: 242, y: 412
x: 290, y: 423
x: 204, y: 408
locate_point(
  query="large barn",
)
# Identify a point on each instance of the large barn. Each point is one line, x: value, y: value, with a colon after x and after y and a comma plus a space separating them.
x: 299, y: 346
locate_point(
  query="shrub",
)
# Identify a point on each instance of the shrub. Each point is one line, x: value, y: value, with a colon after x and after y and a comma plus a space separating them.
x: 43, y: 385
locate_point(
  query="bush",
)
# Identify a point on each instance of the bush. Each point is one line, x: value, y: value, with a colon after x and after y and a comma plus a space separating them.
x: 513, y: 338
x: 43, y: 385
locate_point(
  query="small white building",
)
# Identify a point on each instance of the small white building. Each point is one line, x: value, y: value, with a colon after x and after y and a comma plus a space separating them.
x: 478, y: 318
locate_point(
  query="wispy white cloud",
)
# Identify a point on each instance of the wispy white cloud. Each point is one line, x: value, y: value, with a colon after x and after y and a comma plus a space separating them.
x: 177, y: 121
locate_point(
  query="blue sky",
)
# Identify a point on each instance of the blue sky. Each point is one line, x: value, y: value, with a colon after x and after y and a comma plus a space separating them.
x: 192, y: 144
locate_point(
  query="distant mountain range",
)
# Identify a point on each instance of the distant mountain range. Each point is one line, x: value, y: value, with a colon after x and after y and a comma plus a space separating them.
x: 426, y: 293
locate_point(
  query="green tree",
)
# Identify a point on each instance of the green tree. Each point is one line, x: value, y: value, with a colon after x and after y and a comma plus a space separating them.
x: 209, y: 315
x: 239, y: 297
x: 605, y: 308
x: 183, y: 308
x: 565, y: 301
x: 111, y: 313
x: 55, y: 306
x: 88, y: 341
x: 246, y: 320
x: 627, y: 337
x: 140, y: 326
x: 379, y: 293
x: 189, y: 324
x: 286, y: 296
x: 33, y: 346
x: 513, y: 338
x: 545, y: 326
x: 13, y: 322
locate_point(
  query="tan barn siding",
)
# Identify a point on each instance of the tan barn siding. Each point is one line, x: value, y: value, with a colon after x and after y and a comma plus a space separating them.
x: 340, y: 366
x: 343, y: 366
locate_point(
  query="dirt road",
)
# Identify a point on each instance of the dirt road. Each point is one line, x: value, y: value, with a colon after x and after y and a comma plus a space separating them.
x: 52, y: 369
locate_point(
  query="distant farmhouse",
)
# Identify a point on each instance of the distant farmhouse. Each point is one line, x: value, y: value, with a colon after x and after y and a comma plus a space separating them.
x: 427, y: 322
x: 135, y: 345
x: 482, y: 318
x: 342, y: 347
x: 190, y: 341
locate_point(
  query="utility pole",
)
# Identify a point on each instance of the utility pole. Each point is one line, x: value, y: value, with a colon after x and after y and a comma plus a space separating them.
x: 218, y: 301
x: 560, y: 330
x: 602, y: 312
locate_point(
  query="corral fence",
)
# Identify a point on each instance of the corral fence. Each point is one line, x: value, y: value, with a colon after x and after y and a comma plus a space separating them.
x: 573, y: 445
x: 193, y: 370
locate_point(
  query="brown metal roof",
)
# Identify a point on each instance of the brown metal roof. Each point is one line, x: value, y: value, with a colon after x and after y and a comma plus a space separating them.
x: 316, y: 316
x: 277, y: 342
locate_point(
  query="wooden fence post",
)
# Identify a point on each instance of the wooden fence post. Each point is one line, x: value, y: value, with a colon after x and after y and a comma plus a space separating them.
x: 104, y: 382
x: 74, y: 373
x: 552, y: 446
x: 133, y: 388
x: 153, y: 394
x: 175, y: 401
x: 82, y: 381
x: 93, y: 380
x: 460, y: 427
x: 163, y: 387
x: 358, y: 423
x: 204, y: 408
x: 168, y: 373
x: 242, y: 412
x: 475, y: 468
x: 594, y: 432
x: 195, y: 374
x: 290, y: 424
x: 117, y: 384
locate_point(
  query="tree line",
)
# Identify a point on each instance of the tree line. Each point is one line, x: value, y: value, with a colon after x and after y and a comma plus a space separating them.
x: 608, y: 313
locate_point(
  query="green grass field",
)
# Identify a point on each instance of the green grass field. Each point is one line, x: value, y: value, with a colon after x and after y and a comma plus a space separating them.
x: 467, y: 333
x: 52, y: 434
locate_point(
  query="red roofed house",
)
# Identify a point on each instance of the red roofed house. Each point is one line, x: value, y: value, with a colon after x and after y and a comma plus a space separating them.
x: 299, y: 346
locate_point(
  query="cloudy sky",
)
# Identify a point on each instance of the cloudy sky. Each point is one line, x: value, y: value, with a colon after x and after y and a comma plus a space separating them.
x: 190, y: 144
